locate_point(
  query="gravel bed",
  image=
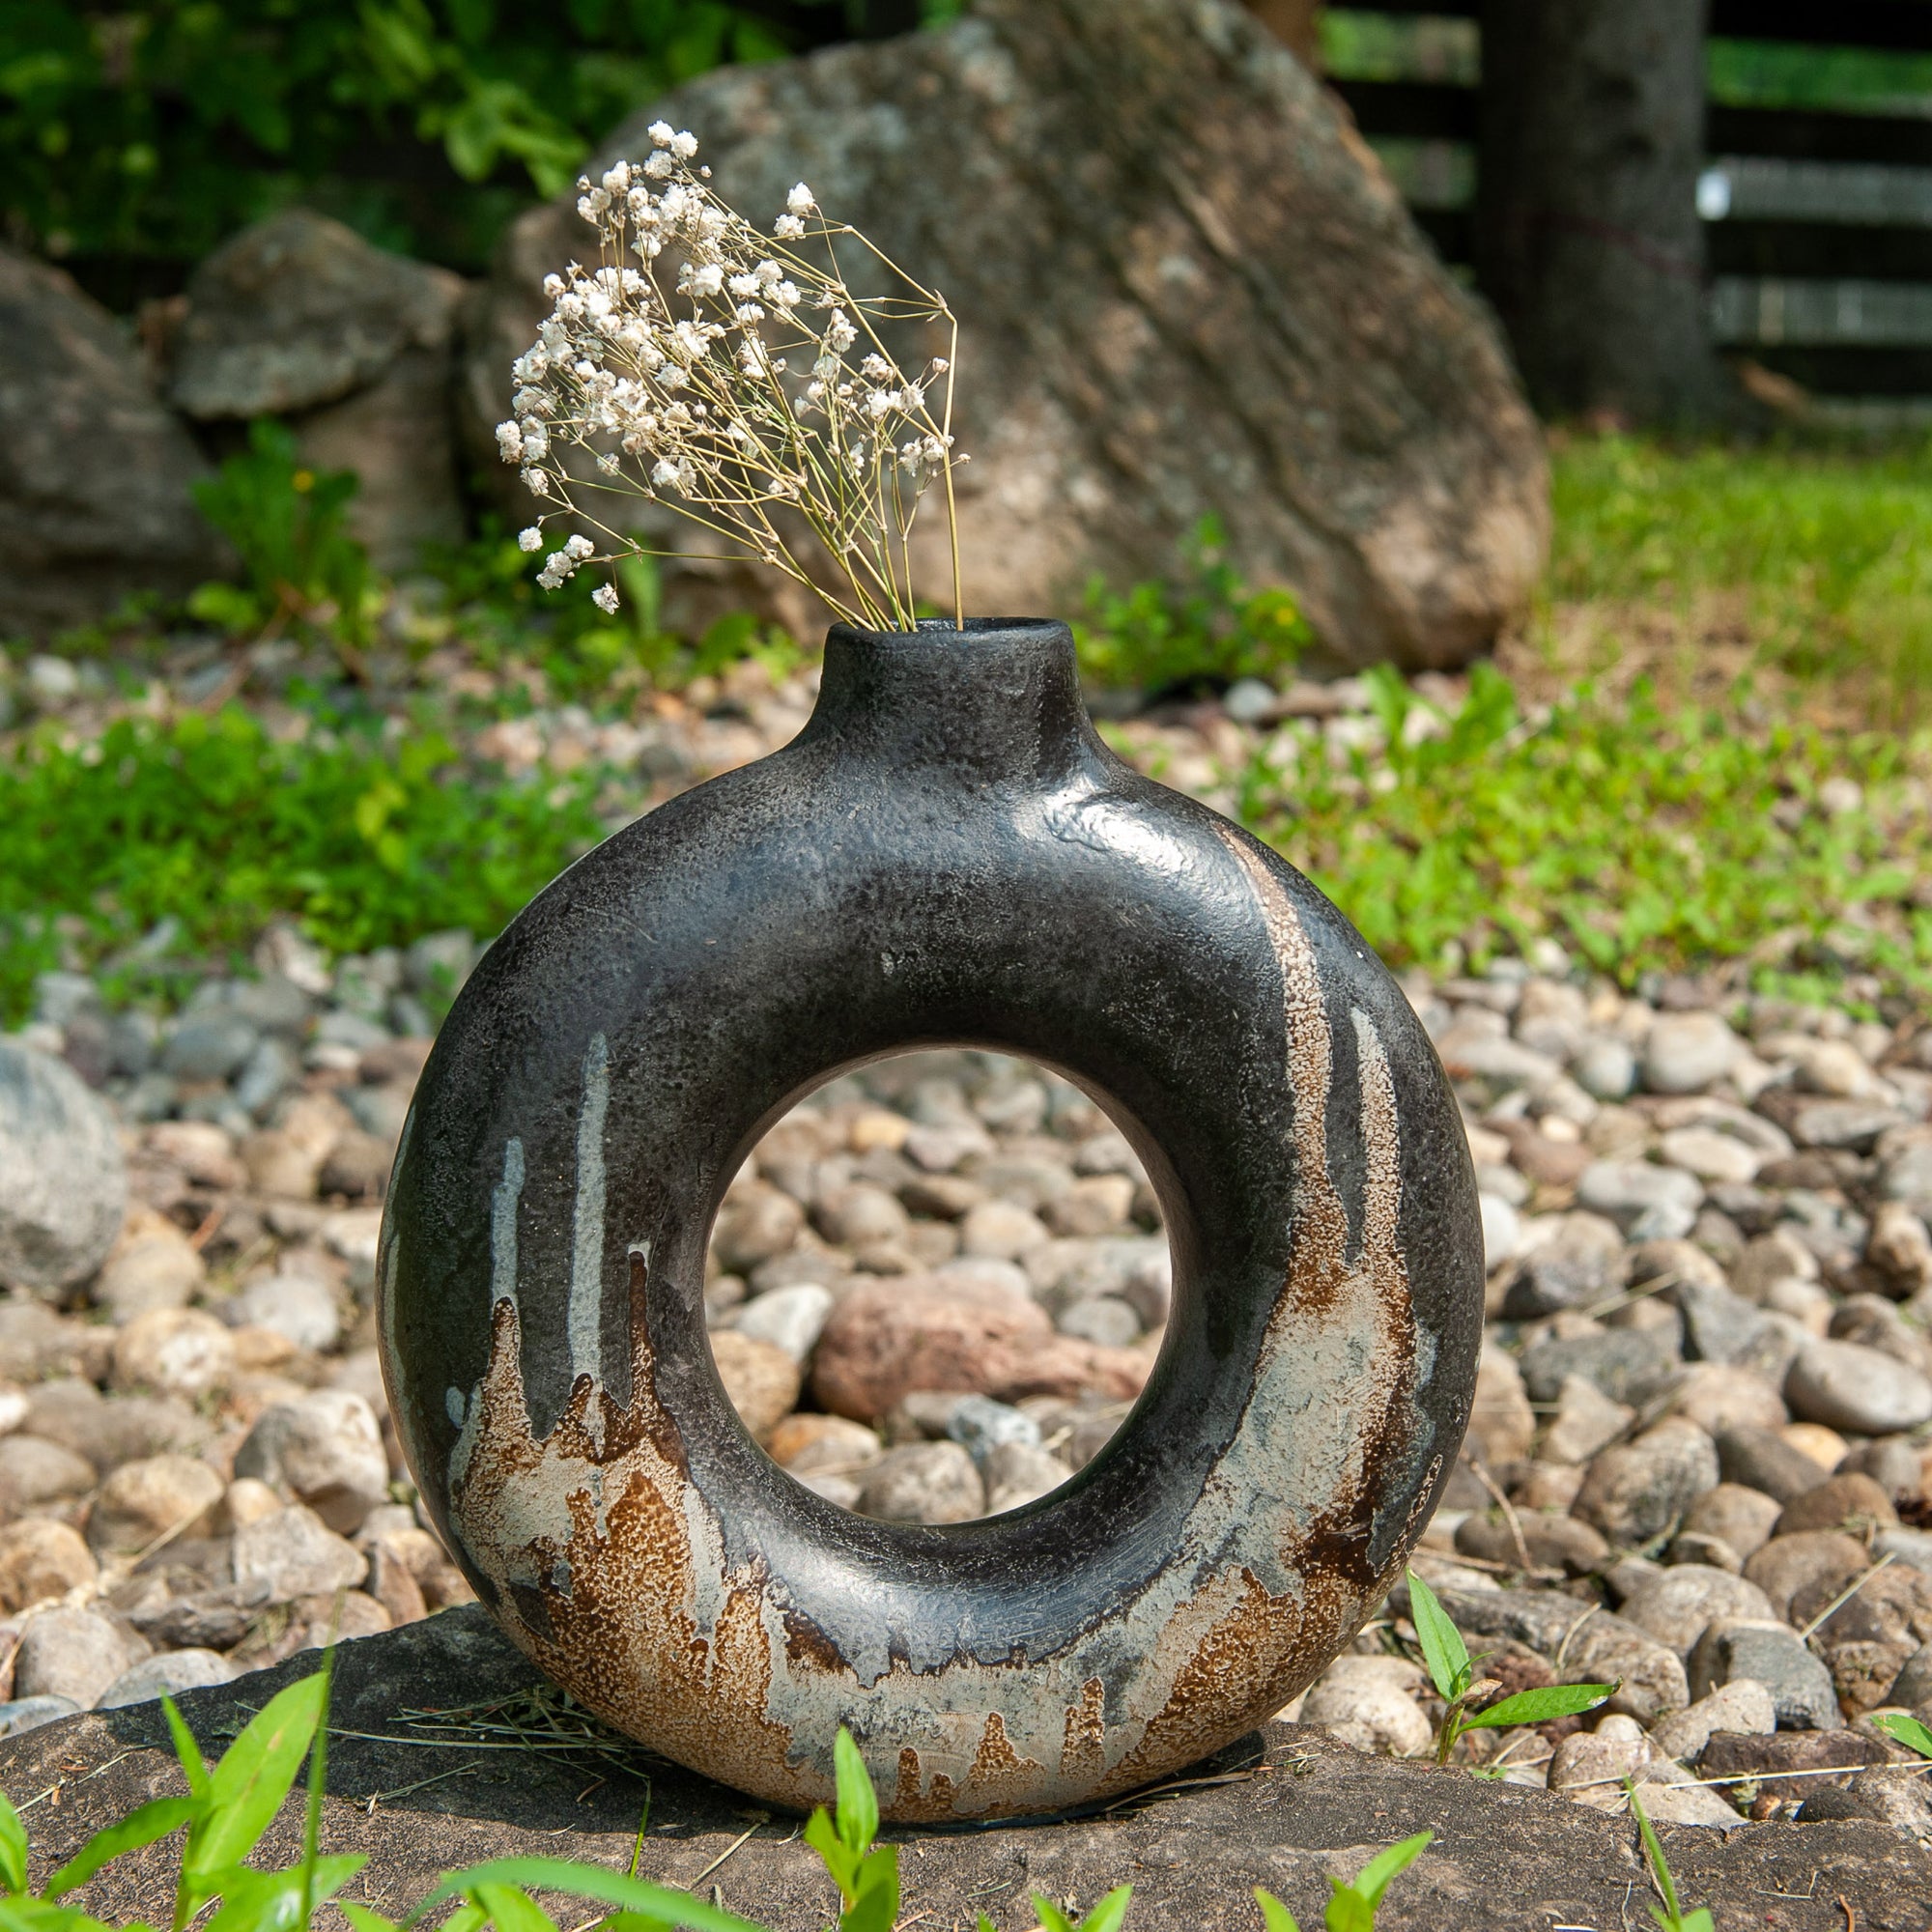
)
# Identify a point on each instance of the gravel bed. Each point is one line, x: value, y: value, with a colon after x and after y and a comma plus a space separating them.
x: 1698, y: 1464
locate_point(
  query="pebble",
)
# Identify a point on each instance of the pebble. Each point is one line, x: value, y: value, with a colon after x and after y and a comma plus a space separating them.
x: 1774, y: 1653
x: 1762, y: 1460
x: 167, y: 1675
x: 1020, y: 1473
x: 1851, y: 1503
x: 1742, y: 1705
x: 63, y: 1176
x: 1647, y: 1202
x: 1738, y: 1517
x: 153, y: 1266
x: 1370, y: 1702
x: 181, y: 1351
x: 1845, y: 1386
x: 1788, y: 1566
x: 1686, y: 1053
x: 324, y: 1449
x: 1641, y: 1488
x: 1577, y: 1261
x: 210, y: 1046
x: 1677, y: 1606
x: 791, y: 1319
x: 924, y: 1481
x: 294, y: 1554
x: 34, y: 1473
x: 1586, y: 1422
x: 761, y: 1380
x: 294, y: 1305
x: 144, y: 1501
x: 73, y: 1653
x: 41, y: 1558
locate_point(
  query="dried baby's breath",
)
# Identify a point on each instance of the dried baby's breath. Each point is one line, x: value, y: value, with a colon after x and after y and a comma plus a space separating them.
x: 755, y: 396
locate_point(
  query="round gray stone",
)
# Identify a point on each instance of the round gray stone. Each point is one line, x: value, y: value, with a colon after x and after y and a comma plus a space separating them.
x: 63, y: 1180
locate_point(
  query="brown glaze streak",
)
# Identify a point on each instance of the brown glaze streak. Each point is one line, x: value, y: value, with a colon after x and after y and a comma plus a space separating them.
x: 614, y: 1577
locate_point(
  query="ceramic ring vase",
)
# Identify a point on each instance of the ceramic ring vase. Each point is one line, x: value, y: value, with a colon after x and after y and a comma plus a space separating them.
x: 946, y: 853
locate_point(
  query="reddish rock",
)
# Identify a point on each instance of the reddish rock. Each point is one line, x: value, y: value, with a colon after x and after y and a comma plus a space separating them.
x: 887, y: 1339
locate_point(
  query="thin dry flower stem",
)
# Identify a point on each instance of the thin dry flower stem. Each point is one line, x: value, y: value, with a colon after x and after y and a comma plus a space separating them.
x: 1845, y: 1596
x: 946, y: 465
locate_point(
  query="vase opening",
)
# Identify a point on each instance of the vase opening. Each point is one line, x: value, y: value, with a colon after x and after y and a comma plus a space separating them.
x: 898, y: 1195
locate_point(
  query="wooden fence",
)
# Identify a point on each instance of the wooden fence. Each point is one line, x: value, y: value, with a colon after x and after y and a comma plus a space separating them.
x: 1818, y: 220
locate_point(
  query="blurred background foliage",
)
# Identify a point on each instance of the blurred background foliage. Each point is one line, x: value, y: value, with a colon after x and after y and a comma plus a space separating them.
x: 134, y: 138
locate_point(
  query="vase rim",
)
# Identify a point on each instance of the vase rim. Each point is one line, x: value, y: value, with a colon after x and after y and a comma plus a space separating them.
x: 934, y: 628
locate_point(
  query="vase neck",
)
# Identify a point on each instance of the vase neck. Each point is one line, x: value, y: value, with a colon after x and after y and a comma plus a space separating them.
x: 1000, y: 698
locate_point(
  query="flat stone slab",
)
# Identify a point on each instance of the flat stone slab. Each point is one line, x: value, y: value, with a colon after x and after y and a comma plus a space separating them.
x: 1284, y: 1808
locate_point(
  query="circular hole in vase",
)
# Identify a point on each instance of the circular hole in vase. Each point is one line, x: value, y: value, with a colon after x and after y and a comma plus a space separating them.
x: 935, y: 1287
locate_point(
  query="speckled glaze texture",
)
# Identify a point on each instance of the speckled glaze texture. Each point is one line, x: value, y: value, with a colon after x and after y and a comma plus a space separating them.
x: 947, y: 854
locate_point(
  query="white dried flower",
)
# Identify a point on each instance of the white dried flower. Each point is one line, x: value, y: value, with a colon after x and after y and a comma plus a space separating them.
x: 605, y: 597
x: 530, y: 538
x: 687, y: 389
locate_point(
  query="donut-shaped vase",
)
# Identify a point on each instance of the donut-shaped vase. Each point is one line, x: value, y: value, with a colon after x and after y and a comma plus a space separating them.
x: 947, y: 854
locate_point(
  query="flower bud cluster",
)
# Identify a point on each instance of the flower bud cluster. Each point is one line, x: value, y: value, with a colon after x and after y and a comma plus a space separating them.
x: 739, y: 379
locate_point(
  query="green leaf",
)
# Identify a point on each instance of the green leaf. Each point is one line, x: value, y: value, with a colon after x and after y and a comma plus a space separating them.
x: 858, y: 1802
x: 837, y: 1857
x: 254, y: 1775
x: 583, y: 1881
x: 1372, y: 1880
x: 1537, y: 1707
x: 281, y: 1902
x: 363, y: 1917
x: 1110, y: 1911
x: 1442, y: 1647
x: 1275, y: 1916
x: 1051, y: 1917
x: 1908, y: 1731
x: 511, y: 1909
x: 186, y: 1750
x: 141, y: 1827
x: 877, y: 1904
x: 12, y: 1848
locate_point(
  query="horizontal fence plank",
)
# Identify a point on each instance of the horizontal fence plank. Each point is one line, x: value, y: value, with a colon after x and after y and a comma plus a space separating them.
x: 1773, y: 310
x: 1746, y: 188
x: 1900, y: 25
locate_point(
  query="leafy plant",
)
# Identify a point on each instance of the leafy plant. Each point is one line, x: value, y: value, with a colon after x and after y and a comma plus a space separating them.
x: 1203, y: 627
x: 1453, y: 1673
x: 1644, y: 839
x: 1353, y: 1906
x: 286, y: 523
x: 1670, y: 1915
x: 213, y: 824
x: 225, y: 1813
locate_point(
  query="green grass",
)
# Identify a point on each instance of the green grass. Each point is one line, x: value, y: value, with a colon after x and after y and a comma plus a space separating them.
x: 1829, y: 547
x: 365, y: 840
x: 1640, y: 838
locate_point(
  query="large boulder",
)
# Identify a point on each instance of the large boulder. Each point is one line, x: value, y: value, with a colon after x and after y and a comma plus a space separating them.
x: 298, y: 316
x: 63, y: 1175
x: 94, y: 473
x: 1184, y: 287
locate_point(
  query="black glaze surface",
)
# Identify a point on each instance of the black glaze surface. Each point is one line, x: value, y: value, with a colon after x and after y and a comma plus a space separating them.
x: 947, y: 854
